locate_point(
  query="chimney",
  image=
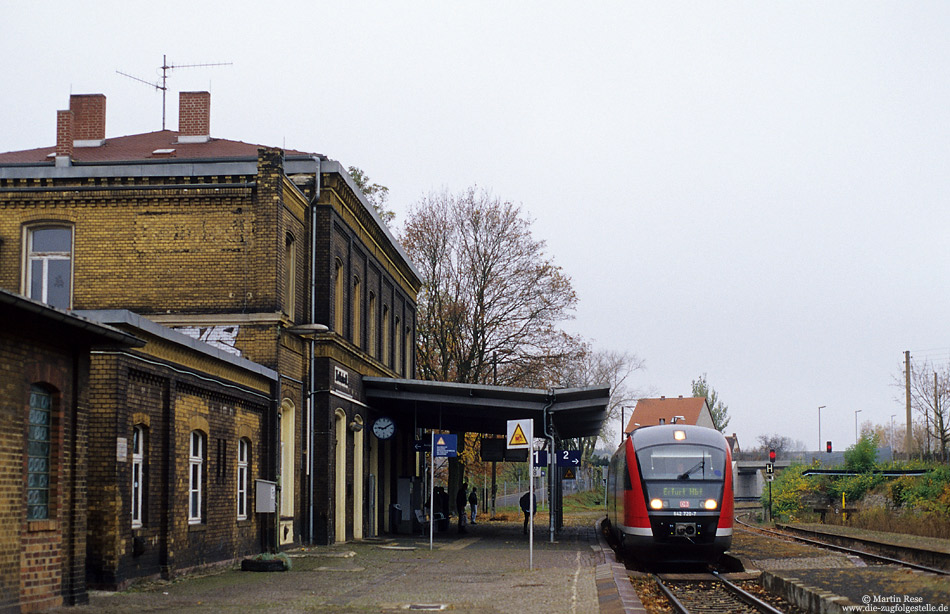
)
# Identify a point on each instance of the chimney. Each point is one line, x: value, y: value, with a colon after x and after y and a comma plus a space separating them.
x: 89, y: 119
x: 64, y: 137
x: 194, y: 117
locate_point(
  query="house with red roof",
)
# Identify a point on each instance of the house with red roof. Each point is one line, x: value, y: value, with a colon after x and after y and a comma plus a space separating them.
x: 670, y: 410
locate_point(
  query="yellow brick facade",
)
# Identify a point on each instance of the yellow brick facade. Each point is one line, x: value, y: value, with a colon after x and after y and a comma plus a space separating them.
x: 230, y: 250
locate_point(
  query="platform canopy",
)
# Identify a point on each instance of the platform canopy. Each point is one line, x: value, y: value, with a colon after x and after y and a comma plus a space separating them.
x: 476, y: 408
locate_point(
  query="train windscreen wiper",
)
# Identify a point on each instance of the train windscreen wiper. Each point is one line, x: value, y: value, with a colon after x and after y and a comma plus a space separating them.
x: 685, y: 474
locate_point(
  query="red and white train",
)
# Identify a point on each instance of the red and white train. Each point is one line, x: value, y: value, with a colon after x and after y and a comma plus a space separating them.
x: 670, y: 494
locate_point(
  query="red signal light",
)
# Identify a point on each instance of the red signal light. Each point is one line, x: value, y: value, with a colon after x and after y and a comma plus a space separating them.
x: 771, y: 456
x: 828, y: 447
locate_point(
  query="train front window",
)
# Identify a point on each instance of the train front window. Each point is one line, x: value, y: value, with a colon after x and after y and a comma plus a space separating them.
x: 682, y: 477
x: 681, y: 462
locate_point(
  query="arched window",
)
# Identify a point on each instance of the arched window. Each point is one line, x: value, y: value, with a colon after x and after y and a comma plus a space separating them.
x: 338, y: 303
x: 290, y: 277
x: 243, y: 464
x: 49, y: 268
x: 357, y: 312
x: 339, y: 499
x: 287, y: 456
x: 138, y: 476
x: 387, y: 358
x: 397, y: 354
x: 371, y: 320
x: 408, y: 348
x: 39, y: 454
x: 196, y: 476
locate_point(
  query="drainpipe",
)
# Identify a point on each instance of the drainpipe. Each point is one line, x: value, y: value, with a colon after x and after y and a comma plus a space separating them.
x: 551, y: 460
x: 313, y: 316
x: 275, y: 547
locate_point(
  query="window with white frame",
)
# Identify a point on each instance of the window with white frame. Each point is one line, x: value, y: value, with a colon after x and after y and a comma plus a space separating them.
x: 196, y: 461
x: 243, y: 462
x: 138, y: 477
x: 49, y: 265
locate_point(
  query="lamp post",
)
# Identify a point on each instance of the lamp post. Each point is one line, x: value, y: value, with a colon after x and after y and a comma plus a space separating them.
x: 856, y: 412
x: 622, y: 416
x: 309, y: 332
x: 821, y: 407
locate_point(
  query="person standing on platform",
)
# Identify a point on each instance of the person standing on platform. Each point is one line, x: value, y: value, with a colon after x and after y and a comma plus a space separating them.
x: 460, y: 505
x: 526, y: 507
x: 473, y: 501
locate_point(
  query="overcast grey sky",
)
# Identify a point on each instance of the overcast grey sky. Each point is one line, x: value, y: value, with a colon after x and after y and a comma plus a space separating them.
x: 752, y: 190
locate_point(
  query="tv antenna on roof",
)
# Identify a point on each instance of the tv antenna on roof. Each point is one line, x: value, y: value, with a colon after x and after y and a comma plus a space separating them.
x: 165, y: 67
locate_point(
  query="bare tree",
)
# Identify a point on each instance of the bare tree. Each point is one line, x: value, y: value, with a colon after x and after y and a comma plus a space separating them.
x: 591, y: 367
x: 780, y: 443
x: 491, y: 299
x: 930, y: 401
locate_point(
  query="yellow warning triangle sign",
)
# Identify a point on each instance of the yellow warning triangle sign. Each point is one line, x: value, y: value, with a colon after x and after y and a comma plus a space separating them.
x: 518, y: 438
x: 569, y: 474
x: 440, y: 442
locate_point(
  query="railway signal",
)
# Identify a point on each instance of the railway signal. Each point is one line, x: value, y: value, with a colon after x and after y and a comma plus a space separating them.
x: 772, y: 456
x: 828, y: 447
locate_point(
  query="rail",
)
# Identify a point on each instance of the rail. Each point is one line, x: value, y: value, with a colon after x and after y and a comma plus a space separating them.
x: 854, y: 551
x: 712, y: 594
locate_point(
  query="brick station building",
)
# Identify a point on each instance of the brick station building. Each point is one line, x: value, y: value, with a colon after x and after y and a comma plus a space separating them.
x: 222, y: 256
x: 44, y: 435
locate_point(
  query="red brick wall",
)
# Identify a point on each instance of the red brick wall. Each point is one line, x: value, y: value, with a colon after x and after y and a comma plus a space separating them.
x: 64, y: 133
x: 194, y: 113
x: 41, y: 561
x: 89, y: 111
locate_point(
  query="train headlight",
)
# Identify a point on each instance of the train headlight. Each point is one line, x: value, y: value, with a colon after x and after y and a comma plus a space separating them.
x: 656, y: 504
x: 710, y: 504
x: 679, y: 435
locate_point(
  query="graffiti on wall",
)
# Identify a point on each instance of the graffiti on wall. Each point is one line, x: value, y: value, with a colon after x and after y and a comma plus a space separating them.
x: 221, y: 337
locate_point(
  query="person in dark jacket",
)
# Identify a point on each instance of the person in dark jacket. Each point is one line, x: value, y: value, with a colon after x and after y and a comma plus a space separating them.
x: 473, y: 502
x: 526, y: 507
x: 460, y: 505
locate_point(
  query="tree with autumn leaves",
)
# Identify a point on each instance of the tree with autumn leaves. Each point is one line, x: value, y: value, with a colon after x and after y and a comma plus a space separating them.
x: 492, y: 303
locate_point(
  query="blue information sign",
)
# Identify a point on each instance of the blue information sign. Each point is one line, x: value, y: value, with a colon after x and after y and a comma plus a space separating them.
x: 568, y: 458
x: 446, y: 445
x: 540, y: 458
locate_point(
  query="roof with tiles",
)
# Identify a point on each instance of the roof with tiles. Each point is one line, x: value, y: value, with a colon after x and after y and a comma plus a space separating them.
x: 162, y: 144
x: 650, y: 412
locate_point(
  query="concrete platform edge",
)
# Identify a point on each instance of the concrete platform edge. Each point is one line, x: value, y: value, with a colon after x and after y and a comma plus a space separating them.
x: 808, y: 598
x: 615, y: 592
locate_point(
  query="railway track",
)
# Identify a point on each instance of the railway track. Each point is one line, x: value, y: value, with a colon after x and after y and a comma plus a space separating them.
x: 712, y: 595
x: 877, y: 558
